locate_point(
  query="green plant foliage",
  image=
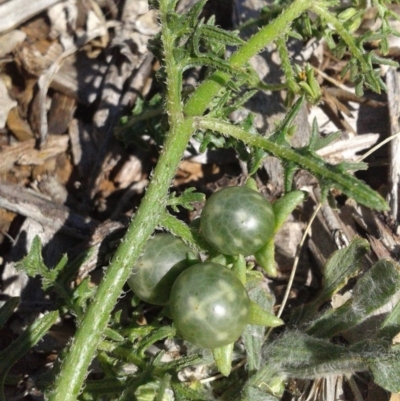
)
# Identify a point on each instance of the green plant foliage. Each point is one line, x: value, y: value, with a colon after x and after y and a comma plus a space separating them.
x: 23, y: 344
x: 341, y: 266
x: 7, y: 309
x: 132, y: 358
x: 386, y: 371
x: 373, y: 290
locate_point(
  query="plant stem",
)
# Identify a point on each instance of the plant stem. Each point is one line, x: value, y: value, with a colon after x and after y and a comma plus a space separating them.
x: 73, y: 370
x: 198, y: 102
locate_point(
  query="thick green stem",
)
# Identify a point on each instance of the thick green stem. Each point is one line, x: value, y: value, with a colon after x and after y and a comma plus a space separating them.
x: 198, y: 102
x: 73, y: 371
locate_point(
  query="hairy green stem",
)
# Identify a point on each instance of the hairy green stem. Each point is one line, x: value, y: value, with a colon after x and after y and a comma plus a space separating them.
x: 203, y: 95
x: 82, y: 350
x: 324, y: 172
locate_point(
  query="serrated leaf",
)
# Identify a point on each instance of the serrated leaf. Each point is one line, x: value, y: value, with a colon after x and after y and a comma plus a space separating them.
x: 210, y: 60
x: 183, y: 392
x: 193, y: 15
x: 186, y: 199
x: 350, y: 166
x: 317, y: 142
x: 181, y: 363
x: 221, y: 35
x: 82, y: 293
x: 33, y: 263
x: 157, y: 335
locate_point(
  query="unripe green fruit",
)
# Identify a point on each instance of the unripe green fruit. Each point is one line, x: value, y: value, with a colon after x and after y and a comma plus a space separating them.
x: 164, y: 258
x: 237, y: 220
x: 209, y: 305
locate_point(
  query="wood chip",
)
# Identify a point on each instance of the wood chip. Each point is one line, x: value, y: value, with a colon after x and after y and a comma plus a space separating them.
x: 24, y: 153
x: 6, y: 103
x: 15, y: 12
x: 30, y: 204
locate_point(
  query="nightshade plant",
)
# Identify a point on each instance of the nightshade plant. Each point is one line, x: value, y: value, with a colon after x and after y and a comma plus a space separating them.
x: 303, y: 351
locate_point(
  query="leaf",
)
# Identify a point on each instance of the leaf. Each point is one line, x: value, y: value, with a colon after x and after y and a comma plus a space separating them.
x: 285, y: 205
x: 7, y: 309
x: 251, y: 393
x: 33, y: 263
x: 391, y: 326
x: 341, y: 266
x: 186, y: 199
x: 317, y: 142
x: 253, y: 336
x: 156, y: 335
x: 223, y: 358
x: 295, y: 354
x: 23, y: 344
x: 386, y: 371
x: 209, y: 60
x: 265, y: 257
x: 183, y: 392
x: 372, y: 291
x: 221, y: 35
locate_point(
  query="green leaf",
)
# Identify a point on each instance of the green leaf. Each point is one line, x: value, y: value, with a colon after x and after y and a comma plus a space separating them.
x: 7, y: 309
x: 386, y: 371
x: 186, y: 199
x: 82, y: 294
x: 156, y: 335
x: 261, y: 317
x: 251, y: 393
x: 183, y: 392
x: 23, y: 344
x: 372, y: 291
x: 189, y: 235
x: 341, y: 266
x: 223, y: 358
x: 391, y: 326
x: 33, y: 263
x: 221, y: 35
x: 265, y: 257
x: 296, y: 354
x: 253, y: 336
x: 285, y: 205
x: 209, y: 60
x: 317, y: 142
